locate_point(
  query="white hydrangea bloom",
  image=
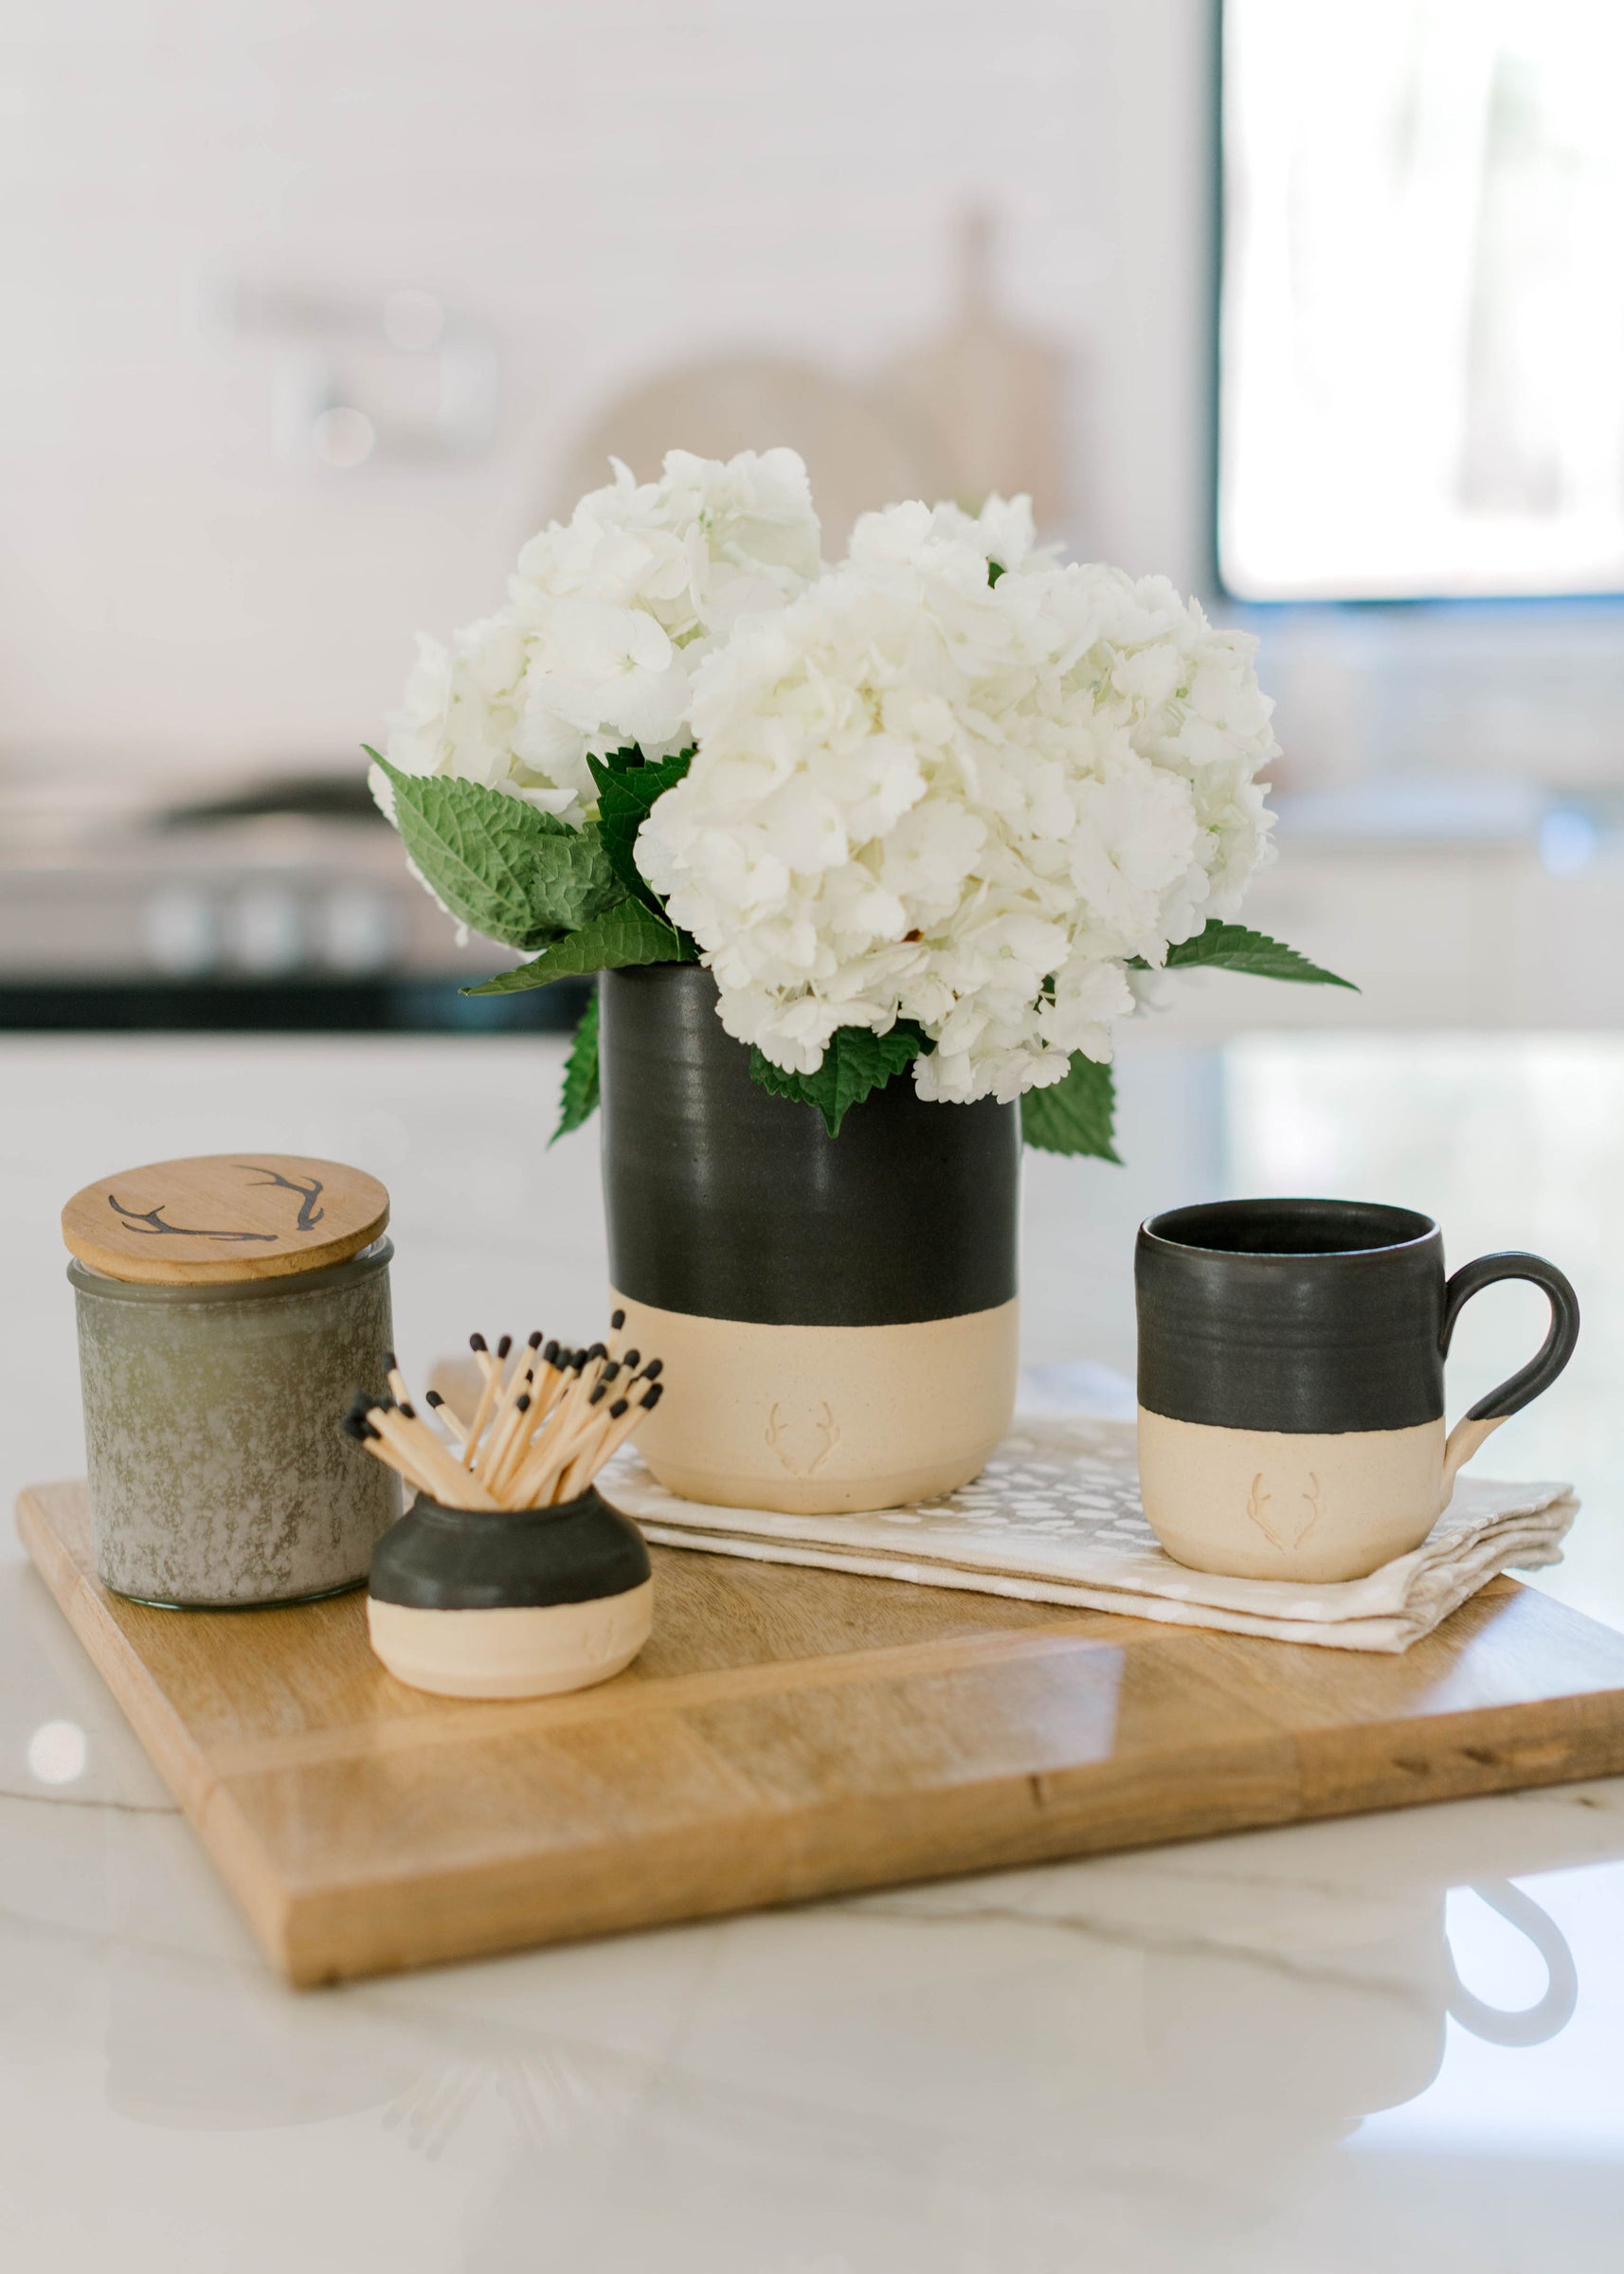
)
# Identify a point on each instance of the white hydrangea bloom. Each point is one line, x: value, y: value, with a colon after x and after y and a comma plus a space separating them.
x: 606, y: 619
x: 921, y: 795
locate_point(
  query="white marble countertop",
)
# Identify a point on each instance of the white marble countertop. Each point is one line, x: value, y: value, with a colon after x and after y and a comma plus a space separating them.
x: 1394, y: 2042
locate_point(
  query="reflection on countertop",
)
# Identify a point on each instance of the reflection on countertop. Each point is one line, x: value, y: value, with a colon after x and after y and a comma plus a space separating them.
x: 1247, y: 2052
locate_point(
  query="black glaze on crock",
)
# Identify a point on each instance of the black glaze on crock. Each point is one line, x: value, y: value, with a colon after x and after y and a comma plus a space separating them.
x: 1317, y: 1316
x: 727, y: 1203
x: 439, y: 1558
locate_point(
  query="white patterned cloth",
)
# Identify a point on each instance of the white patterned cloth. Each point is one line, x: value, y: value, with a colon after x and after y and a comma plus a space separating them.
x: 1055, y: 1516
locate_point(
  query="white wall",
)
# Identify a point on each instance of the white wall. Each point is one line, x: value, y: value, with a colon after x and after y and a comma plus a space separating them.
x: 600, y: 185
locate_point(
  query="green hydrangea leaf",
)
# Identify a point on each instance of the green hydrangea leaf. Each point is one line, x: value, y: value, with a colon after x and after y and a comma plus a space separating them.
x: 1077, y: 1115
x: 855, y: 1062
x: 500, y: 866
x: 627, y: 934
x: 626, y: 793
x: 1233, y: 948
x: 579, y: 1101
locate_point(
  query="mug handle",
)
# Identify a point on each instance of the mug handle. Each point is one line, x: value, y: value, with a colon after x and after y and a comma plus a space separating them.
x: 1549, y: 2014
x: 1540, y: 1371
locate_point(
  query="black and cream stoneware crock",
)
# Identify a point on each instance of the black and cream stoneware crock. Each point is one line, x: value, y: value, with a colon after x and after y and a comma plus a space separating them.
x: 1292, y: 1381
x: 837, y: 1316
x: 521, y: 1603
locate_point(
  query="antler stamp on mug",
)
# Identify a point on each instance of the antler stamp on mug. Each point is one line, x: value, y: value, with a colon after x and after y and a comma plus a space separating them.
x: 1291, y: 1382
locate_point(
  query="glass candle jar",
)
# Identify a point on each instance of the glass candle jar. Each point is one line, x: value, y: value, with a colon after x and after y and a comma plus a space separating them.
x: 218, y: 1475
x: 229, y: 1312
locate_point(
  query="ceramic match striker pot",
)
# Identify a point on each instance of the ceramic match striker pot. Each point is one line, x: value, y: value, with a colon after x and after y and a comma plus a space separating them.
x: 511, y: 1603
x: 226, y: 1310
x: 837, y: 1316
x: 1292, y: 1381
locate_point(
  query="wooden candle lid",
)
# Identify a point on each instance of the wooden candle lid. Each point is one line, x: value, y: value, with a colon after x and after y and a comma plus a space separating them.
x: 249, y: 1216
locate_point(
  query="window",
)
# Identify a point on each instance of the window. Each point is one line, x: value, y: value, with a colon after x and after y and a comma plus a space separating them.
x: 1422, y: 338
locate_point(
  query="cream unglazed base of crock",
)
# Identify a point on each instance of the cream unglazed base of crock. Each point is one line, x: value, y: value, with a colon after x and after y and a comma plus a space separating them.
x: 523, y: 1650
x: 824, y: 1420
x: 1257, y: 1504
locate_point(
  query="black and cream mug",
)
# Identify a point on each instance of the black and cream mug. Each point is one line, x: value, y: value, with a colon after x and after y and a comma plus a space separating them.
x: 1292, y: 1381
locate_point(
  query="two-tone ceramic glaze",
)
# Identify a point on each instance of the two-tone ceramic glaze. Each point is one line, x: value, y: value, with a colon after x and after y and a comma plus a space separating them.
x: 471, y: 1603
x: 838, y: 1315
x: 1292, y: 1381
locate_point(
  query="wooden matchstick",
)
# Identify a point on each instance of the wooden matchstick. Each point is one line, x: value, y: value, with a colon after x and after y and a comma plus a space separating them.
x: 501, y: 1472
x: 508, y: 1425
x: 545, y: 1433
x: 537, y: 1461
x: 362, y: 1432
x: 548, y: 1447
x: 590, y: 1418
x: 509, y: 1381
x: 548, y: 1379
x: 443, y: 1414
x: 401, y: 1456
x: 579, y: 1459
x: 448, y: 1481
x: 395, y: 1379
x: 624, y: 1428
x: 492, y: 1374
x: 622, y: 1424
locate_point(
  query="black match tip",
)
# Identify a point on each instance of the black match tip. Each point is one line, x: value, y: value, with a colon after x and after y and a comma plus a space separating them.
x: 478, y: 1341
x: 652, y: 1397
x: 617, y: 1320
x: 633, y: 1359
x: 618, y: 1407
x: 654, y: 1369
x: 578, y: 1359
x: 522, y: 1401
x: 434, y: 1399
x: 551, y: 1353
x: 610, y: 1370
x: 504, y: 1345
x: 351, y: 1426
x: 409, y: 1413
x: 598, y: 1395
x: 599, y: 1350
x: 536, y: 1340
x: 391, y: 1362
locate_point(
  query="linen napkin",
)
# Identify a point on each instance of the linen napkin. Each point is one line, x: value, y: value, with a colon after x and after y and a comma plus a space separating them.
x: 1055, y: 1517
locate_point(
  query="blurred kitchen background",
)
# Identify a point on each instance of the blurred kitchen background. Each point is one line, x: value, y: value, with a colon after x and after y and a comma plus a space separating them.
x: 318, y: 311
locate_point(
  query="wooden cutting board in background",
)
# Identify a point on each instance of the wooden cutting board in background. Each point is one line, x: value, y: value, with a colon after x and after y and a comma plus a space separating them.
x: 787, y: 1734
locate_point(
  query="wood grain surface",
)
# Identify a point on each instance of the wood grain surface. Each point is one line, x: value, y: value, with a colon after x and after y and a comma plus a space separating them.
x: 221, y: 1217
x: 787, y: 1734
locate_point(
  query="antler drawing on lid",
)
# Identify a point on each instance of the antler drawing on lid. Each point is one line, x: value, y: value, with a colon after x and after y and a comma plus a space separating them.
x: 153, y: 1219
x: 308, y: 1214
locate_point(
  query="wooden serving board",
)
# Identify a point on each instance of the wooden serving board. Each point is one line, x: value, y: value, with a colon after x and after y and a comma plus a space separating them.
x: 787, y: 1734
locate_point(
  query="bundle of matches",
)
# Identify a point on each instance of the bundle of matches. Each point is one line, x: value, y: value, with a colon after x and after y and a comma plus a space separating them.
x: 542, y: 1429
